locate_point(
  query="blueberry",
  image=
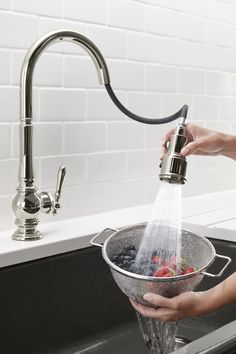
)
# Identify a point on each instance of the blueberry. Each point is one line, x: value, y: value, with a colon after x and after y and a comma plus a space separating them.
x: 127, y: 258
x: 126, y: 262
x: 130, y: 248
x: 133, y: 253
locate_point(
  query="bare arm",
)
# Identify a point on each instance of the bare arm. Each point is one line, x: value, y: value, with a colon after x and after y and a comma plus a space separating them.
x: 190, y: 303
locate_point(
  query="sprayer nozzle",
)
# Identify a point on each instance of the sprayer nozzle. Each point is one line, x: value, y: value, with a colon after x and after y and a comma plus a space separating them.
x: 173, y: 165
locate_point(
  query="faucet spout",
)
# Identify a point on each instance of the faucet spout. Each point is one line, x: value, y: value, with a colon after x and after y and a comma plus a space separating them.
x: 28, y: 203
x: 38, y: 48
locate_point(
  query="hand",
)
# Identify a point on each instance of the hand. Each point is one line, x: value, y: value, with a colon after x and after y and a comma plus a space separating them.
x: 181, y: 306
x: 200, y: 141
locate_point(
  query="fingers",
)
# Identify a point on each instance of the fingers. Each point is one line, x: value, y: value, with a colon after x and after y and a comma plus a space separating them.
x: 162, y: 314
x: 158, y: 300
x: 167, y: 137
x: 190, y: 149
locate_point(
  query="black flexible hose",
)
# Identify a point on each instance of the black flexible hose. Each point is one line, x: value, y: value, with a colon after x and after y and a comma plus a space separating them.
x: 181, y: 113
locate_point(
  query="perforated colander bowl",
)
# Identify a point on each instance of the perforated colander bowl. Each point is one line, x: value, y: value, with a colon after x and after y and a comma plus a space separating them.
x: 198, y: 249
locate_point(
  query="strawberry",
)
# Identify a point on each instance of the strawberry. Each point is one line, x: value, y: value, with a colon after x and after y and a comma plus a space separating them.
x: 188, y: 270
x: 170, y: 264
x: 164, y: 272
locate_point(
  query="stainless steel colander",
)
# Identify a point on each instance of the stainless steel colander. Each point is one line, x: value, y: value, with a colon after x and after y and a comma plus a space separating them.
x: 198, y: 249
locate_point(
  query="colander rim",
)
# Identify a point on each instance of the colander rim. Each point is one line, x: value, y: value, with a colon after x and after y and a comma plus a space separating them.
x: 150, y: 278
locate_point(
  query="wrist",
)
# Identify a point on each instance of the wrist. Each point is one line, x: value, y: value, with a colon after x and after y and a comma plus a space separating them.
x: 208, y: 301
x: 228, y: 145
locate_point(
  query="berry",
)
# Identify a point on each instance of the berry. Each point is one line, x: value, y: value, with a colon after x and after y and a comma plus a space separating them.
x: 164, y: 272
x: 188, y: 270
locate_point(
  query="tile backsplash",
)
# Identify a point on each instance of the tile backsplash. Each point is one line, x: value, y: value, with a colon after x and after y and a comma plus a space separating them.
x: 161, y: 54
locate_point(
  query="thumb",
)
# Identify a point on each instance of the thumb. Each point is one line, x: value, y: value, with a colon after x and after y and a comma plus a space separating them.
x: 190, y: 148
x: 157, y: 300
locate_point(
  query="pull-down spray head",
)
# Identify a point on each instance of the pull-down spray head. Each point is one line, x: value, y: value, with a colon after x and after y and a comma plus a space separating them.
x: 173, y: 164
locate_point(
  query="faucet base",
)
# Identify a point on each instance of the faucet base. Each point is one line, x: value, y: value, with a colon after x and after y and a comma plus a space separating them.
x: 25, y: 234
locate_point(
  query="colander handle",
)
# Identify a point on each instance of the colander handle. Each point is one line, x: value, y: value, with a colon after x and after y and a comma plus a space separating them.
x: 222, y: 270
x: 99, y: 234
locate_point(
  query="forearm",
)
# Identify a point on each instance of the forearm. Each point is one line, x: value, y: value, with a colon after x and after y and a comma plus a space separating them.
x: 229, y: 146
x: 219, y: 296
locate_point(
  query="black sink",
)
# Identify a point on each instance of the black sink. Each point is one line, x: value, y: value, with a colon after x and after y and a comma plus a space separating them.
x: 70, y: 304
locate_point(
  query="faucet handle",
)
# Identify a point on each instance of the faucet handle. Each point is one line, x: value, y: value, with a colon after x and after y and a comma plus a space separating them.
x: 60, y: 179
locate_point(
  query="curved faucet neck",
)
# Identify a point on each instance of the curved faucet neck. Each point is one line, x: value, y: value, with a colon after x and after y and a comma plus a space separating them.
x: 37, y: 49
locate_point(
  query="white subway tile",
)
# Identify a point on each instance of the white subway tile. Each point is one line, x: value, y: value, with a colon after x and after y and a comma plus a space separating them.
x: 218, y: 34
x: 227, y: 108
x: 183, y: 5
x: 192, y: 28
x: 233, y: 37
x: 214, y: 181
x: 9, y: 103
x: 62, y: 105
x: 146, y: 104
x: 105, y: 167
x: 5, y: 141
x: 191, y: 81
x: 233, y: 84
x: 203, y: 163
x: 144, y: 47
x: 233, y: 127
x: 174, y: 102
x: 218, y: 125
x: 206, y: 57
x: 85, y: 137
x: 75, y: 171
x: 43, y: 7
x: 144, y: 64
x: 47, y: 139
x: 90, y: 11
x: 48, y: 71
x: 101, y: 107
x: 152, y: 186
x: 8, y: 176
x: 143, y: 163
x: 206, y: 107
x: 4, y: 67
x: 50, y: 24
x: 126, y: 75
x: 155, y: 133
x: 80, y: 73
x: 177, y: 52
x: 161, y: 21
x: 17, y: 30
x: 228, y: 60
x: 218, y: 83
x: 126, y: 14
x: 5, y: 4
x: 127, y: 135
x: 161, y: 78
x: 99, y: 197
x: 103, y: 39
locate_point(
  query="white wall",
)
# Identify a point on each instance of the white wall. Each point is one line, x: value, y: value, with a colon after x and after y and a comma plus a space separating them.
x: 161, y: 54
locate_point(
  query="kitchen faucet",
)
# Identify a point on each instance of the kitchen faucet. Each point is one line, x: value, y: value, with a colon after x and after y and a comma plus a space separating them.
x: 28, y: 202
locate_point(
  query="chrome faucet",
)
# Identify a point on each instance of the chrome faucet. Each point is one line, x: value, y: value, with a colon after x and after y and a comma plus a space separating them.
x: 28, y: 202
